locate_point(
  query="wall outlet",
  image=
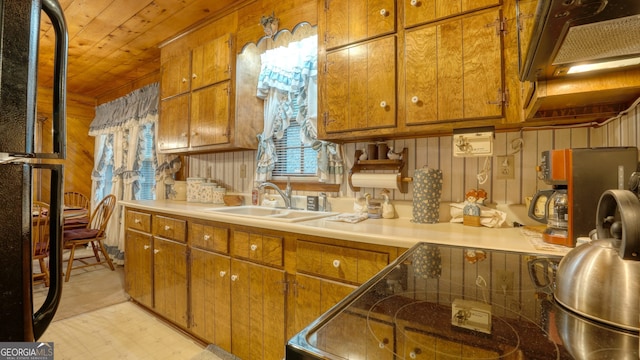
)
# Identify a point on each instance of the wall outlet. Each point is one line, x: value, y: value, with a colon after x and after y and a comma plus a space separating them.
x: 505, y: 168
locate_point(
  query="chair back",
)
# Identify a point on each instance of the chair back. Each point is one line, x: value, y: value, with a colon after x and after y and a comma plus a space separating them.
x: 101, y: 214
x: 77, y: 200
x: 40, y: 229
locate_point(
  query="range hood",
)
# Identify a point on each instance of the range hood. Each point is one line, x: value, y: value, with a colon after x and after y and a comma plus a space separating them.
x: 567, y: 33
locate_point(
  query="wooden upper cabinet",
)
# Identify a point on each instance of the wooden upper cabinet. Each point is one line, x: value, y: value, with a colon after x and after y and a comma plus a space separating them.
x: 453, y: 70
x: 210, y: 115
x: 360, y: 87
x: 211, y: 62
x: 350, y: 21
x: 173, y: 123
x: 176, y: 75
x: 422, y: 11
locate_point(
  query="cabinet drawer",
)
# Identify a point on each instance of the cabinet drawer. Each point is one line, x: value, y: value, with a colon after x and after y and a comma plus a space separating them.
x: 139, y: 221
x: 169, y: 228
x: 261, y: 248
x: 209, y: 237
x: 337, y: 262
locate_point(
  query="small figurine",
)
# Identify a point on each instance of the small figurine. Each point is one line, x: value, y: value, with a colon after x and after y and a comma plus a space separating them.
x: 471, y: 207
x: 482, y: 196
x: 364, y: 155
x: 393, y: 155
x: 388, y: 211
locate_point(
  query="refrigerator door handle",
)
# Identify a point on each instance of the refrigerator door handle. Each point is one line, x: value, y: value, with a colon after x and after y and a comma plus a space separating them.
x: 43, y: 316
x: 54, y: 11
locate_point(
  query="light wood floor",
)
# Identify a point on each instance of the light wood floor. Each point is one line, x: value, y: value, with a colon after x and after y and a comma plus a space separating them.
x: 95, y: 320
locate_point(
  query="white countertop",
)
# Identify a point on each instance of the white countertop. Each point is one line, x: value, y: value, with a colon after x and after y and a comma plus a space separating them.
x: 399, y: 232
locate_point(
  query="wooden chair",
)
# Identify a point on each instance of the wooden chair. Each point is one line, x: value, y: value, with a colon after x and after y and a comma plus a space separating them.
x: 40, y: 238
x: 93, y: 235
x: 77, y: 200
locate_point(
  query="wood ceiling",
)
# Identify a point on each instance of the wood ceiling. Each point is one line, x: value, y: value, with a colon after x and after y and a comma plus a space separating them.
x: 113, y: 42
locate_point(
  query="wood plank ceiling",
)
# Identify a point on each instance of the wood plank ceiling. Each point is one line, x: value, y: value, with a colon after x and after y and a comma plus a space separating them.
x: 113, y: 42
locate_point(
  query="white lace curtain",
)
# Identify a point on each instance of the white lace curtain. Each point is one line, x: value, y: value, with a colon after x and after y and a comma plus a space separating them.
x: 286, y: 72
x: 118, y: 128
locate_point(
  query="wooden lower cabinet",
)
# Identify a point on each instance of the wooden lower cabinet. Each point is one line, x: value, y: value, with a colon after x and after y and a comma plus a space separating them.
x: 139, y: 267
x: 420, y: 345
x: 211, y: 297
x: 244, y: 289
x: 258, y: 311
x: 314, y: 296
x: 170, y: 280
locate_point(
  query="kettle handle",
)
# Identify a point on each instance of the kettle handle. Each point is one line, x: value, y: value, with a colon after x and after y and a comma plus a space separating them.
x: 534, y: 200
x: 548, y: 265
x: 628, y: 206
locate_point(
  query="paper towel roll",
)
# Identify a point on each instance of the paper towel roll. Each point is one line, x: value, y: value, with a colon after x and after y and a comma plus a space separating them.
x: 387, y: 181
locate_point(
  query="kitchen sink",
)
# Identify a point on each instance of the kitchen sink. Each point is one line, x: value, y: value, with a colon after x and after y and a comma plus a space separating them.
x: 277, y: 214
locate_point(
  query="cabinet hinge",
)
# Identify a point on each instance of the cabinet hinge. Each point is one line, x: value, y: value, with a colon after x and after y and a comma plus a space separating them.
x: 230, y: 42
x: 500, y: 24
x: 326, y: 5
x: 502, y: 98
x: 285, y: 286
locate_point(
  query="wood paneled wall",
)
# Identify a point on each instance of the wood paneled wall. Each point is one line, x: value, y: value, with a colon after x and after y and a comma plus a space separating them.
x: 79, y: 162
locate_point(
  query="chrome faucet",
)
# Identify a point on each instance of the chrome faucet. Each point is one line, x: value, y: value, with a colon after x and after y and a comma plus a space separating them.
x: 286, y: 194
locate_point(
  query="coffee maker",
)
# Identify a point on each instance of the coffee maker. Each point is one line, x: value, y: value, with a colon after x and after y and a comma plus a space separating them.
x: 578, y: 177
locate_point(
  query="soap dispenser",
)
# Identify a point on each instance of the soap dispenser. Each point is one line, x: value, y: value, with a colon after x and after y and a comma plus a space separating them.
x: 388, y: 211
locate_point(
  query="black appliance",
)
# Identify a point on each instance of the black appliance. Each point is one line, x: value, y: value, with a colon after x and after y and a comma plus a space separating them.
x: 441, y: 301
x: 19, y: 42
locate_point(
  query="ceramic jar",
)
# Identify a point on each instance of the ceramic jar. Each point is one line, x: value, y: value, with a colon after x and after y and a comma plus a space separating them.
x: 194, y: 184
x: 217, y: 197
x: 427, y: 189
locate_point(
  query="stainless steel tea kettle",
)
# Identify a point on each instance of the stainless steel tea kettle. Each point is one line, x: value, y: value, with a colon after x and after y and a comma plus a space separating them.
x: 601, y: 280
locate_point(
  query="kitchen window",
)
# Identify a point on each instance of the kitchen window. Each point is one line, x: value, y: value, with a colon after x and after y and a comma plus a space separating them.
x: 295, y: 159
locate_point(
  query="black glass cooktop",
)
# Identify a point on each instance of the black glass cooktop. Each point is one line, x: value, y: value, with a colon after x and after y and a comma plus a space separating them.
x: 446, y: 302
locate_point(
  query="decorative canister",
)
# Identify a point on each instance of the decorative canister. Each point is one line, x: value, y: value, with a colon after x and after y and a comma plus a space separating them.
x: 206, y: 192
x: 178, y: 191
x: 193, y: 188
x: 427, y: 189
x: 218, y: 195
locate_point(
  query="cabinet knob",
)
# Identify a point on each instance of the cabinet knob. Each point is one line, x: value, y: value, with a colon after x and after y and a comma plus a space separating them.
x: 415, y: 99
x: 414, y: 2
x: 383, y: 104
x: 234, y: 277
x: 383, y: 343
x: 194, y: 133
x: 415, y: 353
x: 184, y: 80
x: 137, y: 221
x: 183, y: 134
x: 223, y: 273
x: 146, y: 247
x: 384, y: 12
x: 155, y: 251
x: 207, y: 237
x: 336, y: 263
x: 194, y: 76
x: 167, y: 228
x: 254, y: 247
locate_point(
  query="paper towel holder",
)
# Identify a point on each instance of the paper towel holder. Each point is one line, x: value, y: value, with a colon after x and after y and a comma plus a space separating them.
x: 400, y: 166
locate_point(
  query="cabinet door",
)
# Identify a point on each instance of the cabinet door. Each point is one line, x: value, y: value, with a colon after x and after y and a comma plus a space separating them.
x: 173, y: 124
x: 210, y: 115
x: 453, y: 70
x: 175, y: 76
x: 138, y: 267
x: 258, y: 308
x: 170, y: 280
x: 314, y: 296
x: 211, y: 297
x: 363, y: 77
x: 349, y: 21
x: 211, y: 62
x: 422, y: 11
x: 421, y: 345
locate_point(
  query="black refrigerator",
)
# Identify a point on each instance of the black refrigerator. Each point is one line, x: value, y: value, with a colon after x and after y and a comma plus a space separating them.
x: 19, y: 43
